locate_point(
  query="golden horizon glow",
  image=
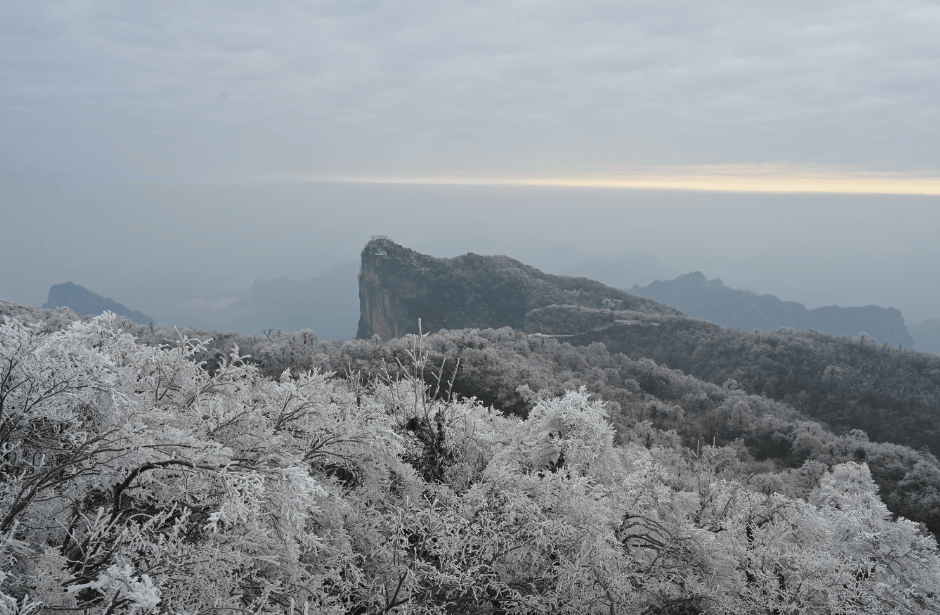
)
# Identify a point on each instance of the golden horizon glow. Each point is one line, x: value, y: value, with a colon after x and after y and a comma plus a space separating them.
x: 712, y: 178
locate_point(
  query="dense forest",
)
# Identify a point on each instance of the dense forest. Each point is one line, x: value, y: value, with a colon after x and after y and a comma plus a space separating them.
x: 848, y: 383
x: 471, y: 471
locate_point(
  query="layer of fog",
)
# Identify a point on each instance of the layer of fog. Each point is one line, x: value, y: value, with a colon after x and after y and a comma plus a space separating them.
x: 186, y: 252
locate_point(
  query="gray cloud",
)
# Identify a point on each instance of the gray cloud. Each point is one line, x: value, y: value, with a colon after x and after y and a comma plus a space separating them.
x: 246, y: 89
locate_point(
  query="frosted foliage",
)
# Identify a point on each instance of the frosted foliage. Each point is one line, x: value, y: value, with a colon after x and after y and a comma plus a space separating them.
x: 571, y: 431
x: 120, y: 583
x: 164, y: 485
x: 134, y: 480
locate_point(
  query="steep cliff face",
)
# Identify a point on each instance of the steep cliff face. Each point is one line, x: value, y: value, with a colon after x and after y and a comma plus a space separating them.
x: 397, y: 286
x: 383, y: 294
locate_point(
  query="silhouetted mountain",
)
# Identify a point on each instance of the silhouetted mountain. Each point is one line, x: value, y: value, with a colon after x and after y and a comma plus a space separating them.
x: 742, y: 309
x: 397, y: 286
x: 327, y: 304
x: 926, y: 335
x: 83, y: 301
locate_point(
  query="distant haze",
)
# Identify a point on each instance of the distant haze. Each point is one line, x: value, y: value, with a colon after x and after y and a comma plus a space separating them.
x: 169, y: 155
x: 187, y: 251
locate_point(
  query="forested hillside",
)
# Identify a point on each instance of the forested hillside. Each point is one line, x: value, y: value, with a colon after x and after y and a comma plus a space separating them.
x: 510, y: 370
x: 137, y: 479
x: 849, y: 383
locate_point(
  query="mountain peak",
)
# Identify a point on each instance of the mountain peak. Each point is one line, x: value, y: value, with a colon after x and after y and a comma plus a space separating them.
x: 397, y: 286
x: 83, y: 301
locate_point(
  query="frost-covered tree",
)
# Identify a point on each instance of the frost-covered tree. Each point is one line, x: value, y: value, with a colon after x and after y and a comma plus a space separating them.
x: 132, y: 477
x: 136, y: 480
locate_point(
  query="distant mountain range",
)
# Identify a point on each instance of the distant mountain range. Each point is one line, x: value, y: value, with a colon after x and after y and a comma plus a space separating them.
x: 328, y: 304
x: 711, y: 300
x: 83, y: 301
x: 495, y: 291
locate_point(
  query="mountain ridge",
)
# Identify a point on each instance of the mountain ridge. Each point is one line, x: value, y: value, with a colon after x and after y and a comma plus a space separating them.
x: 325, y: 303
x: 711, y: 300
x: 397, y: 286
x: 86, y: 302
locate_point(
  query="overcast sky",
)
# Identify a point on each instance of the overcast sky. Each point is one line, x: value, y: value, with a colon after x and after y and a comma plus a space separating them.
x: 186, y: 148
x: 233, y: 89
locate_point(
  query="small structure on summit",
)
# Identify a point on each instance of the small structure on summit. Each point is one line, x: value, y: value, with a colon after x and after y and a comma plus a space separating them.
x: 380, y: 237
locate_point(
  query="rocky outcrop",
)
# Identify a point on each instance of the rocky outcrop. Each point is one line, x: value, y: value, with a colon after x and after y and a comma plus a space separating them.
x: 741, y: 309
x: 83, y: 301
x: 397, y: 286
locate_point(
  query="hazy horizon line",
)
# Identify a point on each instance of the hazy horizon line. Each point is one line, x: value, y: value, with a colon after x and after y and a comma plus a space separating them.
x: 701, y: 178
x: 737, y: 178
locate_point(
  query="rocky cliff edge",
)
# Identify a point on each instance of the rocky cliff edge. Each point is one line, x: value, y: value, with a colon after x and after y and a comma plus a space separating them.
x: 397, y: 286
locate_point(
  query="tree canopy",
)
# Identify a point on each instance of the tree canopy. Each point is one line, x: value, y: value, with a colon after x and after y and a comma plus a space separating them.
x: 139, y: 478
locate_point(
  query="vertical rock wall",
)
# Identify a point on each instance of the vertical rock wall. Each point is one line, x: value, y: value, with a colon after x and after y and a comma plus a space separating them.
x: 397, y: 286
